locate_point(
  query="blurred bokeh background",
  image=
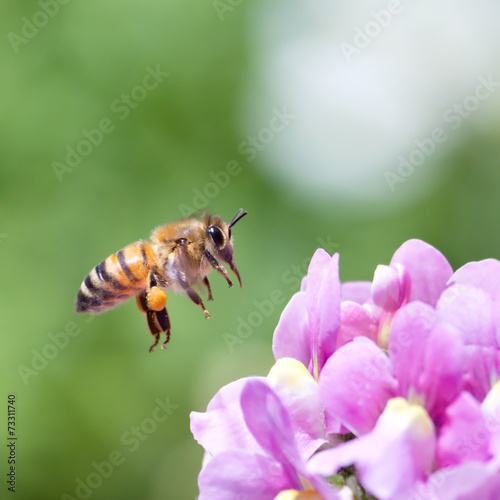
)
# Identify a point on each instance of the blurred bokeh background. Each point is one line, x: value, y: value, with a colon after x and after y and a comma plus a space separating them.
x: 348, y: 126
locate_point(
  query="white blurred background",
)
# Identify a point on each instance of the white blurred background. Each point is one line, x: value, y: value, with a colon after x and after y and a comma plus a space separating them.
x: 366, y: 80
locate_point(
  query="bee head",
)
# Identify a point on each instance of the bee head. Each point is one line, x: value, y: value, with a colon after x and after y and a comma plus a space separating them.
x: 220, y: 239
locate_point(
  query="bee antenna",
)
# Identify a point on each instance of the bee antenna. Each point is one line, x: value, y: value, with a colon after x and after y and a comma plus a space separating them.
x: 241, y: 213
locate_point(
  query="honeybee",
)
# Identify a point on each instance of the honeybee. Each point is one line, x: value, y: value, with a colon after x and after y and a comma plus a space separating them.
x: 179, y: 255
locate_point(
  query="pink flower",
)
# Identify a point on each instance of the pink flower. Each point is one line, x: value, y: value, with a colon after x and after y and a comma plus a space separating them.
x: 411, y: 409
x: 472, y: 303
x: 325, y: 315
x: 417, y: 272
x: 307, y: 330
x: 257, y: 455
x: 424, y: 366
x: 409, y: 364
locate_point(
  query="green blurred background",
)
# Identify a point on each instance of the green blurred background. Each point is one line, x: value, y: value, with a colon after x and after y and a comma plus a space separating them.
x: 77, y: 408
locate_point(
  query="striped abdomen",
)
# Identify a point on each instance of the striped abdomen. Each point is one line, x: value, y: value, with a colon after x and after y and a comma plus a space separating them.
x: 117, y: 278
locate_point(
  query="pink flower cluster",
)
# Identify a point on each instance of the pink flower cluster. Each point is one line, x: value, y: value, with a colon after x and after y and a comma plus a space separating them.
x: 396, y: 381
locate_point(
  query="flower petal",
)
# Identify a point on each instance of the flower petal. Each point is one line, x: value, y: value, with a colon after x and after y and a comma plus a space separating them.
x: 491, y: 411
x: 303, y: 284
x: 355, y: 321
x: 222, y: 427
x: 386, y: 288
x: 472, y: 311
x: 299, y: 394
x: 291, y: 337
x: 390, y: 459
x: 428, y: 268
x: 428, y: 358
x: 242, y: 474
x: 484, y: 274
x: 481, y: 370
x: 407, y: 342
x: 468, y: 481
x: 269, y: 422
x: 356, y: 291
x: 441, y: 380
x: 464, y: 436
x: 230, y: 393
x: 356, y: 383
x: 323, y: 306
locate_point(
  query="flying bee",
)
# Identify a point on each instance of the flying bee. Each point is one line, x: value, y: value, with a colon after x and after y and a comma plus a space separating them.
x: 179, y: 255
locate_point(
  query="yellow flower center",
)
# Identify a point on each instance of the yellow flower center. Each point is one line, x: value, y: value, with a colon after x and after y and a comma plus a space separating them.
x: 298, y: 495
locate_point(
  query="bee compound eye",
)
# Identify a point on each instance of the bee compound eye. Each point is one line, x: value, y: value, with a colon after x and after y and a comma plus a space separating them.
x: 216, y: 235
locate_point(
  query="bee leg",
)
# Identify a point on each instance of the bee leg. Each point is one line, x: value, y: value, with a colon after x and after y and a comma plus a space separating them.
x: 215, y: 264
x: 153, y: 298
x: 207, y: 284
x: 152, y: 302
x: 163, y: 319
x: 192, y: 294
x: 153, y: 328
x: 142, y: 302
x: 156, y: 299
x: 158, y: 322
x: 155, y: 279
